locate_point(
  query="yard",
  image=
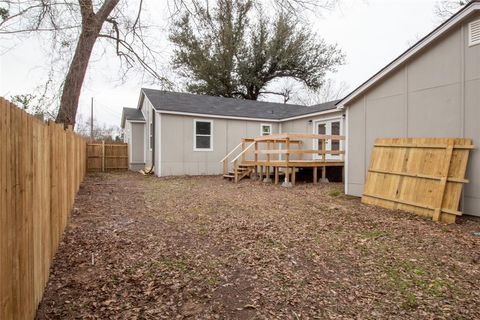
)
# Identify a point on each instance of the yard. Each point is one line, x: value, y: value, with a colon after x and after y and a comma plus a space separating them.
x: 200, y: 247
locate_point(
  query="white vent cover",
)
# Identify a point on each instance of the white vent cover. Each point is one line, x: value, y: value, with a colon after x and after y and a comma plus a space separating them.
x: 474, y: 33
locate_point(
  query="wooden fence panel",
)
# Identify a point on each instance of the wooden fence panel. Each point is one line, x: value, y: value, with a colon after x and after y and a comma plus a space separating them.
x: 107, y: 157
x: 420, y: 175
x: 41, y: 168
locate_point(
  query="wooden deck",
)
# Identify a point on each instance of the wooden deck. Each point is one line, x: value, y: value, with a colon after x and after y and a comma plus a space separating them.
x: 283, y: 154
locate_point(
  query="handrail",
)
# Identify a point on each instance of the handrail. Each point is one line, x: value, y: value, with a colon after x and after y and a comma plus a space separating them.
x: 300, y: 151
x: 230, y: 153
x: 240, y: 154
x: 283, y: 136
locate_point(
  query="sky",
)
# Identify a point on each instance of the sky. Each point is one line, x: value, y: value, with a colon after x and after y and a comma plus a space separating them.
x: 371, y: 33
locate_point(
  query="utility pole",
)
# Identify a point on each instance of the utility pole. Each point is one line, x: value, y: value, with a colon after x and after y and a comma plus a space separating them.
x: 91, y: 121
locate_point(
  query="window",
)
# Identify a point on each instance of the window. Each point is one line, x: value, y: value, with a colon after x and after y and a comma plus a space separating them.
x: 335, y: 131
x: 265, y: 129
x: 202, y: 140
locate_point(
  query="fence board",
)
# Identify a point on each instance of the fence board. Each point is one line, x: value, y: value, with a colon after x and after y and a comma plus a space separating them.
x: 419, y: 175
x: 41, y: 169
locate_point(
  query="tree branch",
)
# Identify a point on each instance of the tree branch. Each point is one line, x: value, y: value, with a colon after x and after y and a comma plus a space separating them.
x: 86, y: 9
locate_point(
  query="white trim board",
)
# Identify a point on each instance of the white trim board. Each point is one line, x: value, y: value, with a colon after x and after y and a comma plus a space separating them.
x: 158, y: 153
x: 345, y: 158
x: 427, y: 40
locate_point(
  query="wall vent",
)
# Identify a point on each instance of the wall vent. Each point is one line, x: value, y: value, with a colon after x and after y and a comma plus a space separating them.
x: 474, y: 33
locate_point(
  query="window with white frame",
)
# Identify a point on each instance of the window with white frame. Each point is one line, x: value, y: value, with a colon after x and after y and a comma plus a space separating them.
x: 265, y: 129
x: 203, y: 135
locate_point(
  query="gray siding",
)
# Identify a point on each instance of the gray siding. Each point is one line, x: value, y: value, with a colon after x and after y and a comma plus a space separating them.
x: 134, y: 136
x: 435, y: 94
x: 177, y: 154
x: 137, y: 145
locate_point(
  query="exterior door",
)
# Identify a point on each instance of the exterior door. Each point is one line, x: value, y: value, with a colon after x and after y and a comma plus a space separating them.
x: 330, y: 128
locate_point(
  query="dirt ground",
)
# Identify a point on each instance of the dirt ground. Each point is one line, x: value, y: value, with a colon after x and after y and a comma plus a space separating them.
x: 204, y: 248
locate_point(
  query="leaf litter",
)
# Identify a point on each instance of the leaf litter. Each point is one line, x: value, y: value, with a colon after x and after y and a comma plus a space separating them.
x: 203, y: 248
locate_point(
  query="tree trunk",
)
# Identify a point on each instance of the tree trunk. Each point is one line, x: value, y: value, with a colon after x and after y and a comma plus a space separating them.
x: 76, y: 74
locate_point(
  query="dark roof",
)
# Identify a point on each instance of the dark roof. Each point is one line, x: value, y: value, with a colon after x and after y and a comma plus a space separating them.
x: 353, y: 92
x: 131, y: 114
x: 219, y: 106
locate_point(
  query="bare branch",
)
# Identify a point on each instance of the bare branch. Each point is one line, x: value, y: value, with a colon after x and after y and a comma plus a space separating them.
x: 444, y: 9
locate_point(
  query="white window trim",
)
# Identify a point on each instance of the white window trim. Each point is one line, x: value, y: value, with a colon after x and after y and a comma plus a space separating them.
x: 195, y: 135
x: 265, y: 125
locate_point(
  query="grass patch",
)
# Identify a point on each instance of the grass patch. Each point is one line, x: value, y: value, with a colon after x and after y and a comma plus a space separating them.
x: 409, y: 278
x: 335, y: 193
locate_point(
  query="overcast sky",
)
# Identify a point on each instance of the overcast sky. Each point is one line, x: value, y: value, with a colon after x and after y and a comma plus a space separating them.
x: 371, y: 33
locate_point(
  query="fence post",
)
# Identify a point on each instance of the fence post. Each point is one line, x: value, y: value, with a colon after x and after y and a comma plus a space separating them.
x: 103, y: 156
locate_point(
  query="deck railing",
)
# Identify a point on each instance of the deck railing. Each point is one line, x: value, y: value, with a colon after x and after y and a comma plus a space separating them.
x: 291, y: 139
x: 285, y: 151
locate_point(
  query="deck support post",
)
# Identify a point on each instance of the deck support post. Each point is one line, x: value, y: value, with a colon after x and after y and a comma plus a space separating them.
x: 235, y: 169
x: 315, y: 174
x: 225, y: 167
x: 276, y: 175
x: 324, y: 175
x: 267, y: 168
x: 261, y: 173
x: 267, y: 175
x: 293, y: 175
x: 287, y: 183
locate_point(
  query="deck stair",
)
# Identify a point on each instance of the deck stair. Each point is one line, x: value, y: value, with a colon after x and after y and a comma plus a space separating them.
x: 243, y: 171
x: 236, y: 169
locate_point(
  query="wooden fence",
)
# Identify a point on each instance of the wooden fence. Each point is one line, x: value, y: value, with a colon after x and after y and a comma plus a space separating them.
x: 424, y: 176
x: 107, y: 157
x: 41, y: 168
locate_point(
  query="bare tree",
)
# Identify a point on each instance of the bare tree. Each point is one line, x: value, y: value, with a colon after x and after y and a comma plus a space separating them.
x: 294, y: 92
x: 75, y: 26
x: 84, y: 22
x: 444, y: 9
x: 101, y: 131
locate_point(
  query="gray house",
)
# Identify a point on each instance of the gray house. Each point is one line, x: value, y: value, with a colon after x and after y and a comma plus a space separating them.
x: 188, y: 134
x: 431, y: 90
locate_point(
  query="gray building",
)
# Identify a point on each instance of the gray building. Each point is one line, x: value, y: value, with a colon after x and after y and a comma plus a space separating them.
x: 188, y: 134
x: 431, y: 90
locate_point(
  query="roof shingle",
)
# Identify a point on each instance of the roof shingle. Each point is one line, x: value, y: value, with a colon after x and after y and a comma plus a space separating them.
x: 131, y: 114
x: 219, y: 106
